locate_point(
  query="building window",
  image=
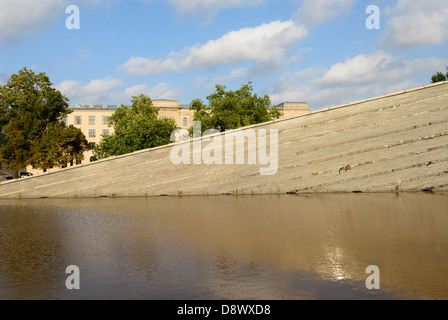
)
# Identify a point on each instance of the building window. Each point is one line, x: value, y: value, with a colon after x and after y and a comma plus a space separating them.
x: 92, y: 133
x: 92, y: 120
x: 185, y: 122
x: 64, y: 120
x: 92, y: 145
x: 78, y: 120
x: 105, y: 120
x: 105, y: 132
x: 163, y: 117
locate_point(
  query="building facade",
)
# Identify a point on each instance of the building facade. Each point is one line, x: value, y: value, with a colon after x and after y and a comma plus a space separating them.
x: 93, y: 120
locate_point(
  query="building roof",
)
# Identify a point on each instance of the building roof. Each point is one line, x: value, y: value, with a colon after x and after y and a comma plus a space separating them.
x: 293, y: 106
x: 283, y: 105
x: 158, y: 103
x: 92, y: 107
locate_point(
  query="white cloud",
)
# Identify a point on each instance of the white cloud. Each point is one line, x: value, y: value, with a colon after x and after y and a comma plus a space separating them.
x: 233, y: 74
x: 94, y: 92
x: 360, y: 69
x: 164, y: 91
x: 417, y: 22
x: 362, y: 76
x: 27, y: 16
x: 102, y: 91
x: 18, y: 17
x: 160, y: 91
x: 210, y: 8
x: 315, y: 12
x: 263, y: 44
x: 194, y: 5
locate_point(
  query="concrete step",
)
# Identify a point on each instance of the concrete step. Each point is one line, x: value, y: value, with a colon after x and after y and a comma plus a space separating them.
x: 395, y: 140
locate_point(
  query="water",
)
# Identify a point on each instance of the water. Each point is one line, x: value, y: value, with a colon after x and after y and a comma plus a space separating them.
x: 227, y: 247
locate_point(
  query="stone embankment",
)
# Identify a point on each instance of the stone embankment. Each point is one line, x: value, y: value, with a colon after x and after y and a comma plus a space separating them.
x: 397, y: 142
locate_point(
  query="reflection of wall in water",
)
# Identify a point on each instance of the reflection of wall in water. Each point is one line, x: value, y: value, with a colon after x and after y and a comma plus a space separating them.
x: 333, y: 236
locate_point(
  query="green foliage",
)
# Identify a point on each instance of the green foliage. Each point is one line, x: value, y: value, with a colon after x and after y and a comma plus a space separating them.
x: 439, y: 76
x: 30, y: 109
x: 58, y: 146
x: 136, y: 128
x: 233, y: 109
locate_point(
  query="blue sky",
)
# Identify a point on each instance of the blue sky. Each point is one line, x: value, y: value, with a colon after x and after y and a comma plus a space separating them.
x: 315, y: 51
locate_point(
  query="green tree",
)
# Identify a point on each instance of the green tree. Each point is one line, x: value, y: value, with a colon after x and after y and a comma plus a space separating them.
x: 58, y: 146
x: 233, y: 109
x: 30, y: 111
x: 439, y: 76
x: 135, y: 128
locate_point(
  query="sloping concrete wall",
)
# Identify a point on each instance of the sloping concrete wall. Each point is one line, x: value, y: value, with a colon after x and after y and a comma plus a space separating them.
x: 397, y: 142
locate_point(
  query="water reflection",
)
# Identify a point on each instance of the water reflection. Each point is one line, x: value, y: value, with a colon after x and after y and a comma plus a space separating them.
x: 251, y: 247
x: 30, y: 245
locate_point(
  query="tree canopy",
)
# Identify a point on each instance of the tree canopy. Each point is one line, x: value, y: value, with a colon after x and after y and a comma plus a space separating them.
x: 135, y: 128
x: 58, y: 146
x: 439, y: 76
x: 233, y: 109
x: 31, y: 129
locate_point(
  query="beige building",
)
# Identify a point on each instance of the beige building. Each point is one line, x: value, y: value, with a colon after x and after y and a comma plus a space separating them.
x: 93, y: 120
x: 292, y: 109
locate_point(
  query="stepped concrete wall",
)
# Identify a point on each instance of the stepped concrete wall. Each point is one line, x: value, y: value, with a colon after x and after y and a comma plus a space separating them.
x: 397, y: 142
